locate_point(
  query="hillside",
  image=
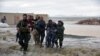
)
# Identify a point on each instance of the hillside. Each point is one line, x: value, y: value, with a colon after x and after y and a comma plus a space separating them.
x: 90, y: 22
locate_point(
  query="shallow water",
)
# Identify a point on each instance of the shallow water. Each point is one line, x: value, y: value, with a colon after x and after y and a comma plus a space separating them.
x: 81, y: 35
x: 82, y: 30
x: 81, y: 41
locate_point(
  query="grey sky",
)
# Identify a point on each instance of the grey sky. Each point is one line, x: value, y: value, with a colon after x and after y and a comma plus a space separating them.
x: 53, y: 7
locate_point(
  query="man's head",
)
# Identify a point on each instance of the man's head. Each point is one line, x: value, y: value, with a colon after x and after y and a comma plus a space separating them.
x: 60, y: 23
x: 41, y: 18
x: 50, y: 21
x: 30, y: 17
x: 24, y: 16
x: 4, y: 16
x: 37, y: 17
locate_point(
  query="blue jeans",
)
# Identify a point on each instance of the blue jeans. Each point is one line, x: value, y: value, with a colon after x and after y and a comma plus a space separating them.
x: 51, y: 39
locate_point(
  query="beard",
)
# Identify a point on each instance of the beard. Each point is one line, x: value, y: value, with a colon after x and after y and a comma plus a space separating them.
x: 25, y: 20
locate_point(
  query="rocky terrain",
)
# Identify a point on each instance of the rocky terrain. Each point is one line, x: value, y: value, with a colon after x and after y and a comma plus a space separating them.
x: 90, y: 22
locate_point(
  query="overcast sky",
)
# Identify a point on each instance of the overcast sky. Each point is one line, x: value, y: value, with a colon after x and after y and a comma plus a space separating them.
x: 53, y: 7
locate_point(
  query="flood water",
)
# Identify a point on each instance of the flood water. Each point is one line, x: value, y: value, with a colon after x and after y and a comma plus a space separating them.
x: 82, y: 30
x: 81, y: 35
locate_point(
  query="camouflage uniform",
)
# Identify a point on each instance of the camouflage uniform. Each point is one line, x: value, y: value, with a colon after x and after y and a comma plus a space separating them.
x: 60, y: 33
x: 23, y: 34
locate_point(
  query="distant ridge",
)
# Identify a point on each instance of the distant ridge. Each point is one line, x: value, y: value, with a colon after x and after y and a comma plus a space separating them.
x: 72, y: 18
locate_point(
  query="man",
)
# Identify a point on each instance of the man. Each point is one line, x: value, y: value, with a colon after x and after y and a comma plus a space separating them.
x: 51, y: 38
x: 40, y: 26
x: 23, y: 34
x: 60, y: 33
x: 3, y: 20
x: 30, y: 22
x: 54, y: 35
x: 49, y: 33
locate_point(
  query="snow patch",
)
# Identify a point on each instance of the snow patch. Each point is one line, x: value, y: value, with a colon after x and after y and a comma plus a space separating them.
x: 4, y: 25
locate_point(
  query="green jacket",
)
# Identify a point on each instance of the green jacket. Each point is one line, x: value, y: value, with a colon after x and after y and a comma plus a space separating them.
x: 60, y: 31
x: 23, y: 26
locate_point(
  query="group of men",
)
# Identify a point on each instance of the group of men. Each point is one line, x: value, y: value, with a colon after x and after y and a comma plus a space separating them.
x: 54, y: 32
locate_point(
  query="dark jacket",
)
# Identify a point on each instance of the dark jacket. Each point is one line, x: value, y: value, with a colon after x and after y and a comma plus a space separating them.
x: 23, y: 26
x: 31, y: 23
x: 60, y: 31
x: 40, y: 25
